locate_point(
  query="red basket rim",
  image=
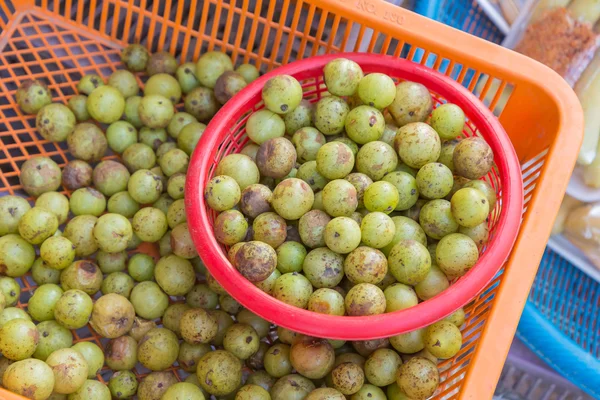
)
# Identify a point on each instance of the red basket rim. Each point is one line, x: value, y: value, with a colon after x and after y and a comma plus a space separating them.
x: 366, y: 327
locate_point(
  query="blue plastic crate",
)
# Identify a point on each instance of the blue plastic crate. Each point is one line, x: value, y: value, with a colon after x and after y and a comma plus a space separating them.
x: 561, y: 321
x: 461, y: 14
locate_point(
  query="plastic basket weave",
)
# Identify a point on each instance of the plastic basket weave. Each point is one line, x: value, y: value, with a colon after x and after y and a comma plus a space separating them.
x: 58, y: 42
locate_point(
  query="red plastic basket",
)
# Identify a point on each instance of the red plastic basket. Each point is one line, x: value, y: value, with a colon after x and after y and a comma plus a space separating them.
x: 226, y: 134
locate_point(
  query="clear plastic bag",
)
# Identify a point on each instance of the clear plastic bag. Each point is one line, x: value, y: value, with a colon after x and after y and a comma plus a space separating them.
x: 582, y: 228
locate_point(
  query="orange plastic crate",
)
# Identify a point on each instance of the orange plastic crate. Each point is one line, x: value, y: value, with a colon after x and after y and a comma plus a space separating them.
x: 58, y: 42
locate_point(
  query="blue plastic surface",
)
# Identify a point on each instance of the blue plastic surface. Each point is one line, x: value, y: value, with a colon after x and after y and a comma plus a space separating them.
x: 465, y: 15
x: 561, y: 322
x: 460, y: 14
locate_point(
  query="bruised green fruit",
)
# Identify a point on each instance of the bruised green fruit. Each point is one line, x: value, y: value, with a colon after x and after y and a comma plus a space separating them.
x: 348, y: 378
x: 377, y: 229
x: 377, y: 90
x: 364, y: 124
x: 83, y: 275
x: 292, y: 198
x: 255, y: 199
x: 410, y: 342
x: 409, y: 261
x: 121, y: 353
x: 241, y: 168
x: 365, y: 299
x: 340, y: 198
x: 282, y: 94
x: 248, y: 71
x: 256, y: 261
x: 112, y: 232
x: 308, y: 173
x: 18, y: 339
x: 276, y: 157
x: 149, y: 224
x: 311, y: 227
x: 299, y: 117
x: 365, y: 265
x: 473, y: 158
x: 406, y: 185
x: 161, y: 62
x: 293, y: 289
x: 484, y: 188
x: 448, y: 121
x: 342, y: 76
x: 189, y: 136
x: 32, y: 378
x: 210, y: 66
x: 155, y: 111
x: 417, y: 144
x: 228, y: 85
x: 342, y: 235
x: 131, y: 113
x: 376, y: 159
x: 292, y: 387
x: 148, y: 300
x: 434, y: 181
x: 189, y: 354
x: 186, y: 76
x: 219, y: 372
x: 52, y: 337
x: 73, y: 309
x: 418, y: 378
x: 434, y: 283
x: 55, y: 122
x: 447, y: 153
x: 106, y: 104
x: 437, y: 220
x: 70, y: 370
x: 88, y: 83
x: 158, y: 349
x: 323, y: 268
x: 32, y: 95
x: 175, y: 275
x: 43, y: 274
x: 164, y: 85
x: 241, y: 340
x: 135, y: 57
x: 456, y: 254
x: 125, y: 82
x: 93, y: 355
x: 201, y: 103
x: 91, y: 390
x: 41, y: 305
x: 123, y: 384
x: 381, y: 196
x: 443, y: 339
x: 36, y: 225
x: 198, y: 326
x: 54, y: 202
x: 312, y: 357
x: 412, y: 103
x: 11, y: 313
x: 40, y: 175
x: 112, y: 316
x: 479, y: 233
x: 470, y: 207
x: 16, y: 255
x: 153, y: 386
x: 326, y: 301
x: 87, y: 142
x: 330, y: 115
x: 12, y: 208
